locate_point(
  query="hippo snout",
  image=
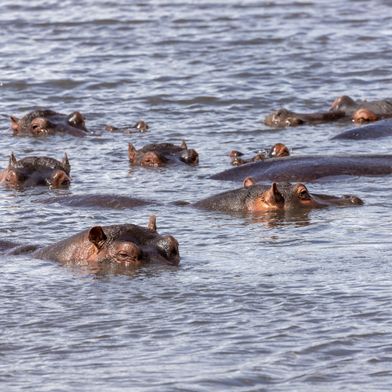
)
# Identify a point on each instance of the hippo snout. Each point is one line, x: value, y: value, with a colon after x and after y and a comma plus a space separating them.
x: 190, y: 157
x: 168, y: 248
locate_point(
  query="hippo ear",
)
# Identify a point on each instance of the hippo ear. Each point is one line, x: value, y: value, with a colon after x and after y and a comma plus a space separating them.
x: 97, y: 236
x: 152, y: 223
x: 132, y: 153
x: 184, y: 145
x: 248, y: 182
x: 12, y: 162
x: 65, y: 164
x: 14, y: 124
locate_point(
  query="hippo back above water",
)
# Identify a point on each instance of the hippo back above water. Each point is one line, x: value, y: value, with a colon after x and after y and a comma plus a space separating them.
x: 43, y: 122
x: 376, y: 130
x: 309, y: 168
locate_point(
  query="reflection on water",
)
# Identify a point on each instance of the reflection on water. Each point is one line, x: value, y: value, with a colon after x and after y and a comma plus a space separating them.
x: 293, y: 301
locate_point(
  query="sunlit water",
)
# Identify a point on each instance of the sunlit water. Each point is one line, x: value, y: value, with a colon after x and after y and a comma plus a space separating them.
x: 300, y: 303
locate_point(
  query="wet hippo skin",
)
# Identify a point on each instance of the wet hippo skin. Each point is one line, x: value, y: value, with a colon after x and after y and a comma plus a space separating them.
x: 125, y: 244
x: 43, y: 122
x: 35, y: 171
x: 375, y: 130
x: 160, y: 154
x: 309, y: 168
x: 282, y: 196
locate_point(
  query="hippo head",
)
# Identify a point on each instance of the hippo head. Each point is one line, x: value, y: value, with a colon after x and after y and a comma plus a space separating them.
x: 188, y: 156
x: 262, y: 200
x: 148, y: 158
x: 279, y: 150
x: 131, y: 245
x: 363, y: 115
x: 283, y: 118
x: 297, y: 196
x: 48, y: 122
x: 32, y: 171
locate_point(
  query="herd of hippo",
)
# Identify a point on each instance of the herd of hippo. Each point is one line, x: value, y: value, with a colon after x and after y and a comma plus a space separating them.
x: 131, y: 245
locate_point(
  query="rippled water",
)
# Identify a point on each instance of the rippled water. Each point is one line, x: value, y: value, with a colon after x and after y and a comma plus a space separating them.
x: 301, y: 303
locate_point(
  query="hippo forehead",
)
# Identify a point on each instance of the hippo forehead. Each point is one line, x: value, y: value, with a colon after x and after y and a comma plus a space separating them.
x: 130, y: 233
x: 164, y: 148
x: 38, y: 113
x: 39, y: 163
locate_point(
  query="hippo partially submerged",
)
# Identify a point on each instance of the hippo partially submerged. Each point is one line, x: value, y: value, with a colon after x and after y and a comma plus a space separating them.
x: 253, y: 198
x: 277, y: 150
x: 160, y: 154
x: 377, y: 130
x: 43, y: 122
x: 126, y: 245
x: 33, y: 171
x: 286, y: 118
x: 97, y: 201
x: 309, y: 168
x: 343, y: 107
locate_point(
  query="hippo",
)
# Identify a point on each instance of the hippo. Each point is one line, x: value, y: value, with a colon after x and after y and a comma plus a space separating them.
x: 379, y: 129
x: 343, y: 107
x: 362, y: 110
x: 33, y: 171
x: 140, y: 126
x: 125, y: 244
x: 96, y: 200
x: 277, y: 150
x: 310, y: 168
x: 253, y: 197
x: 43, y: 122
x: 286, y: 118
x: 154, y: 155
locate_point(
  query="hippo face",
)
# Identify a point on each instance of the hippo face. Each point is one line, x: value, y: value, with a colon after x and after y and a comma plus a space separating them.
x: 264, y: 200
x: 154, y: 155
x: 297, y: 196
x: 33, y: 171
x: 279, y: 150
x: 127, y: 245
x: 48, y: 122
x: 283, y: 118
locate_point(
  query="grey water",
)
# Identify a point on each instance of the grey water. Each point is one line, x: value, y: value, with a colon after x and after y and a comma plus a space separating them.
x: 295, y: 304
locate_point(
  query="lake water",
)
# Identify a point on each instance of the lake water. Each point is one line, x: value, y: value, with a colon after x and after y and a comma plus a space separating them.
x: 297, y: 304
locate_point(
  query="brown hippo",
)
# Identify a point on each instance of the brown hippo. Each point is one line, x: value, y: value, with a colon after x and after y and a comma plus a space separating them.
x: 140, y: 126
x: 154, y: 155
x: 310, y: 168
x: 286, y: 118
x: 33, y: 171
x: 371, y: 110
x: 377, y: 130
x: 283, y: 196
x: 343, y: 107
x: 95, y: 200
x: 246, y: 199
x: 44, y: 122
x: 126, y: 244
x: 277, y: 150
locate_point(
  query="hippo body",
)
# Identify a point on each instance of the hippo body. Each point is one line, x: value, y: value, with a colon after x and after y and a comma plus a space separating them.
x: 127, y: 244
x: 376, y: 130
x: 160, y: 154
x: 33, y: 171
x: 294, y: 197
x: 43, y: 122
x: 100, y: 201
x: 309, y: 168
